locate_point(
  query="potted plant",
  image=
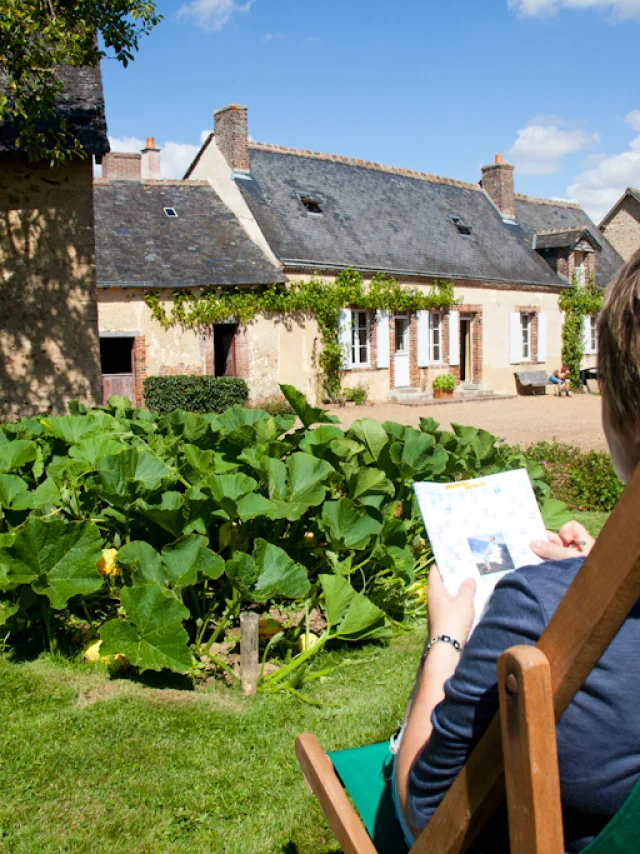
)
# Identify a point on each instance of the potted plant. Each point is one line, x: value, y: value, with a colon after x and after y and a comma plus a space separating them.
x: 443, y: 385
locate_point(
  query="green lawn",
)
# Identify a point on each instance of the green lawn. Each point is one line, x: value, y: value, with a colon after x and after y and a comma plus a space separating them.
x: 88, y: 764
x: 592, y: 520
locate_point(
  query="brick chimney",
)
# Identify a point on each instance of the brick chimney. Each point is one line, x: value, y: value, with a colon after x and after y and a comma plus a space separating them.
x: 121, y: 166
x: 497, y: 181
x: 231, y: 135
x: 150, y: 163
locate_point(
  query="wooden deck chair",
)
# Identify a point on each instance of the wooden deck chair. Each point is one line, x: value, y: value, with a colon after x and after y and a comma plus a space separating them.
x: 517, y: 755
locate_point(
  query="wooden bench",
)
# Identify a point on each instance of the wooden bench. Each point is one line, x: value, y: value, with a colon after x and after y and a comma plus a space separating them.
x: 532, y: 382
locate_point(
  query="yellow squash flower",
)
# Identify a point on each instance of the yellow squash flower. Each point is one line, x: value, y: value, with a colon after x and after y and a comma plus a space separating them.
x: 106, y: 566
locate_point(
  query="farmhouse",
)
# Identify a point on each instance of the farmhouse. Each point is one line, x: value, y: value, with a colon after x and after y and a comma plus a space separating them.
x: 621, y: 225
x: 154, y: 235
x: 48, y: 334
x: 509, y: 256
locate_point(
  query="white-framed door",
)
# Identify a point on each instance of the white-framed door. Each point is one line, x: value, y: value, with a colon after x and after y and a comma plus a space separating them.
x: 401, y: 353
x: 466, y: 348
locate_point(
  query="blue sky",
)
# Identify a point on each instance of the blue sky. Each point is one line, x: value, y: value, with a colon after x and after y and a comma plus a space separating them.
x: 436, y: 86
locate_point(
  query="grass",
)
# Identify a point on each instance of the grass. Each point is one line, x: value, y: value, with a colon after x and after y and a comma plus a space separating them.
x: 593, y: 520
x: 91, y: 765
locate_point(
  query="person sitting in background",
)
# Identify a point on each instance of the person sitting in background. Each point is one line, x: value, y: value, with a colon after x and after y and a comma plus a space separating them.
x: 456, y: 693
x: 561, y: 379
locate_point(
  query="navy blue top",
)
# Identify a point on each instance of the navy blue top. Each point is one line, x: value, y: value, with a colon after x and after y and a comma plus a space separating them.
x: 598, y: 735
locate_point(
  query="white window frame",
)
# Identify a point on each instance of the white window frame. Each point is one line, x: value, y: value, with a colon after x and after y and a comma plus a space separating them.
x: 435, y: 329
x: 592, y: 320
x: 525, y: 328
x: 355, y: 358
x: 580, y: 268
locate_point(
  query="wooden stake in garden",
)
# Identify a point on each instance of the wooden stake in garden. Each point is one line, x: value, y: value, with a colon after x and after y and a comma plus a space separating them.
x: 249, y: 652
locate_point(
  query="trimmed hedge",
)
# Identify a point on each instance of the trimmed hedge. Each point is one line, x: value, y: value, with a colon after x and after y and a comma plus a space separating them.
x: 193, y: 393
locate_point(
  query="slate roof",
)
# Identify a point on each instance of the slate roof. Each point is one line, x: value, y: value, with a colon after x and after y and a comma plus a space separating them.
x: 138, y: 245
x: 397, y: 221
x: 562, y: 238
x: 535, y: 215
x: 81, y: 105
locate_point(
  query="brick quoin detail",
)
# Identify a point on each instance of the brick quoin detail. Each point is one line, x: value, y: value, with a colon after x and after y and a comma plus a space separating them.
x: 139, y: 368
x: 242, y: 353
x: 532, y: 310
x: 207, y: 343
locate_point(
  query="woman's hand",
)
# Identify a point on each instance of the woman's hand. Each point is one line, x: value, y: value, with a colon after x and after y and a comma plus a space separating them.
x: 572, y: 540
x: 450, y: 615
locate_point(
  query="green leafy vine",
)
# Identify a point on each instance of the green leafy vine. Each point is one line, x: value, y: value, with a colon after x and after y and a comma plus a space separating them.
x: 577, y: 302
x: 322, y: 299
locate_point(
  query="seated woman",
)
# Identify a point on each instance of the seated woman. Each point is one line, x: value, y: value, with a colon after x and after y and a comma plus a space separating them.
x: 456, y: 694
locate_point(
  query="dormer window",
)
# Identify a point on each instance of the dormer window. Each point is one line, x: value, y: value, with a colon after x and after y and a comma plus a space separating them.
x: 463, y: 228
x: 170, y: 212
x: 311, y: 204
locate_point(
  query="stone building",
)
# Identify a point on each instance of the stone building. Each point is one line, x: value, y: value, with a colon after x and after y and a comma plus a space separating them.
x: 509, y: 256
x: 49, y: 349
x: 622, y: 224
x: 155, y: 235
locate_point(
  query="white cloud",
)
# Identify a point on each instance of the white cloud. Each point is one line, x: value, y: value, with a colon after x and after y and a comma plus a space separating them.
x: 600, y: 186
x: 539, y: 148
x: 269, y: 37
x: 212, y: 15
x: 618, y: 9
x: 175, y: 157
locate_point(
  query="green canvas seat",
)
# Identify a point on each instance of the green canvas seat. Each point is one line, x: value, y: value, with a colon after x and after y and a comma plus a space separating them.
x: 365, y: 772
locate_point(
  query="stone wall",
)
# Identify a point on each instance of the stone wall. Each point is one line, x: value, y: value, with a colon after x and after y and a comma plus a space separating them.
x: 49, y: 350
x: 623, y: 230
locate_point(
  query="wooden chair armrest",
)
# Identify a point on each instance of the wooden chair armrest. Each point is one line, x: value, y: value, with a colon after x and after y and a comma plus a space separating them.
x: 324, y: 783
x: 530, y: 752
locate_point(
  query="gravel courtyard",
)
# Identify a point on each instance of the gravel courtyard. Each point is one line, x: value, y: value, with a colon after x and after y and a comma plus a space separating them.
x: 524, y: 420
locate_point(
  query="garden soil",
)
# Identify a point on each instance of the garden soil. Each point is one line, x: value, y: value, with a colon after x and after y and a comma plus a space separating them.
x: 520, y: 421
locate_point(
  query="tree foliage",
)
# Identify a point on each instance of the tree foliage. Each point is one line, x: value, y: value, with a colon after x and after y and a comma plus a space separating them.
x: 39, y: 36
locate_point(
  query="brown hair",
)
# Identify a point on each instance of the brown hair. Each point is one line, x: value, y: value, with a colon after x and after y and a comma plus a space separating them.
x: 619, y: 347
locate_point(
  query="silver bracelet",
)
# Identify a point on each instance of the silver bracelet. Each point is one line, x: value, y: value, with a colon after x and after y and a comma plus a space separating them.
x: 442, y: 639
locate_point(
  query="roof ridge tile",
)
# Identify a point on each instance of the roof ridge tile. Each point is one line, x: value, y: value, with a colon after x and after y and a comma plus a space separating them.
x: 363, y: 164
x: 521, y: 197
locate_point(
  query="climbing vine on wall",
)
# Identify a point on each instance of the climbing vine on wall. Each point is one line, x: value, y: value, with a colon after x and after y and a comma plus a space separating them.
x: 322, y: 299
x: 577, y: 302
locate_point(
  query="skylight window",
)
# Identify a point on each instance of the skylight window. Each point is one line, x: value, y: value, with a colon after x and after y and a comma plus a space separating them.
x: 310, y: 204
x: 170, y: 212
x: 463, y: 228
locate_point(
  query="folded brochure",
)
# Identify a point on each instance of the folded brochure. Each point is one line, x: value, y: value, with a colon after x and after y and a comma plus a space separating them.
x: 481, y: 529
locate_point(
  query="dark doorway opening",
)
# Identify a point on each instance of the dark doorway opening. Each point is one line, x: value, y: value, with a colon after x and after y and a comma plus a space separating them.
x: 466, y: 349
x: 224, y: 349
x: 116, y: 364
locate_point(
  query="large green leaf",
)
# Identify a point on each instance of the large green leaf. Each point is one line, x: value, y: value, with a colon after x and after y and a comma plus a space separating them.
x: 12, y: 487
x: 143, y: 563
x: 371, y: 434
x: 44, y: 498
x: 555, y: 514
x: 155, y: 638
x: 305, y: 476
x: 201, y: 463
x: 134, y: 473
x: 57, y: 557
x: 72, y: 428
x: 278, y: 575
x: 478, y: 441
x: 7, y: 610
x: 169, y: 513
x: 93, y: 448
x: 351, y: 616
x: 306, y: 413
x: 188, y: 559
x: 418, y: 455
x: 348, y: 525
x: 369, y: 481
x: 14, y: 455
